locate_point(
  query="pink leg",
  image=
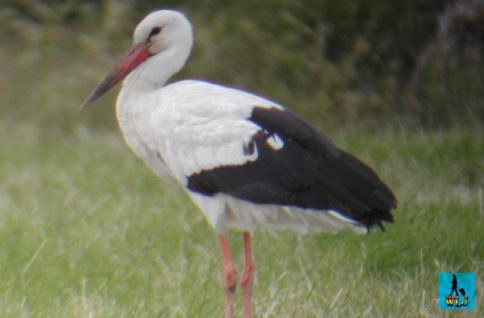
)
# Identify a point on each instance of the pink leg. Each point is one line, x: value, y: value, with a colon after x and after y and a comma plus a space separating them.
x: 230, y: 277
x: 247, y: 277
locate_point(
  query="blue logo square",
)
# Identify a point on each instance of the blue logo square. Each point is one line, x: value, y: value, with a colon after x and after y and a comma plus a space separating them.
x: 457, y: 291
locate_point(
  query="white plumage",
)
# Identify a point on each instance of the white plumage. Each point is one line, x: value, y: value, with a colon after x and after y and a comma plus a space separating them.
x: 190, y: 126
x: 244, y: 160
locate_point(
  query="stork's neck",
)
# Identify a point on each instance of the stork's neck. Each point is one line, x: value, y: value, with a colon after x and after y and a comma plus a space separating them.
x: 154, y: 72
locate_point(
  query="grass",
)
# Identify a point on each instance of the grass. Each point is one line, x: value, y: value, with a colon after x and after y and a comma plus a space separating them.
x: 87, y: 231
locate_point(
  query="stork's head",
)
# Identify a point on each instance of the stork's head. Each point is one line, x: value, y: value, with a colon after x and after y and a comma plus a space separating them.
x: 161, y: 45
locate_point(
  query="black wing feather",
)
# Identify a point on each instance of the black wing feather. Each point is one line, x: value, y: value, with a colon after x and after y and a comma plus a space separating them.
x: 309, y: 171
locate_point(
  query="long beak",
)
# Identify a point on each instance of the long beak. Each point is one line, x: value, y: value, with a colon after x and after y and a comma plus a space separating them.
x: 129, y: 62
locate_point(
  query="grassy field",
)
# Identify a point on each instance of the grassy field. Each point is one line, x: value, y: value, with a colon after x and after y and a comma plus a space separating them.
x: 86, y: 230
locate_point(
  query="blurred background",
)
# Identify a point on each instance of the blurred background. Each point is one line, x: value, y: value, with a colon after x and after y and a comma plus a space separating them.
x: 86, y: 230
x: 413, y: 63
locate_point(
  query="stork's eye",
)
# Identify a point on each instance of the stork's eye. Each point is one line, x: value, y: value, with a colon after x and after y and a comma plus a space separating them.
x: 154, y: 31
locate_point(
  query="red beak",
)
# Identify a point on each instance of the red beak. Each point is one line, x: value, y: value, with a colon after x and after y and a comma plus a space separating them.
x: 129, y: 62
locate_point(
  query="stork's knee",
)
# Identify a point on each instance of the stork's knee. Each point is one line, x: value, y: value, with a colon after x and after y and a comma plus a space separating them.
x: 230, y: 279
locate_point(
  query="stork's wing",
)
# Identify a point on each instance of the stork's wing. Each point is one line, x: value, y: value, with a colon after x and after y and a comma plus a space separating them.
x: 275, y: 157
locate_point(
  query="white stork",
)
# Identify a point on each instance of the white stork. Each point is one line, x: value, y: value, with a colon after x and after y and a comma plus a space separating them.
x: 246, y: 162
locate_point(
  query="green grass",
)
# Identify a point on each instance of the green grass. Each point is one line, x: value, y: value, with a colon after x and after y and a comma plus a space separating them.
x: 86, y: 230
